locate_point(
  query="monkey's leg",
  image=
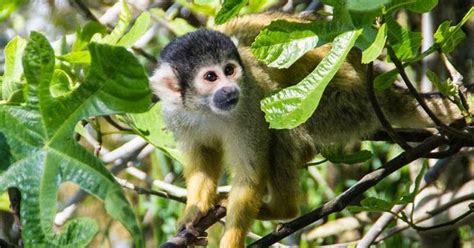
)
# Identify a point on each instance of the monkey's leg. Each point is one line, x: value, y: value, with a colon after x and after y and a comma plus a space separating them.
x: 283, y: 189
x: 243, y: 204
x: 202, y: 171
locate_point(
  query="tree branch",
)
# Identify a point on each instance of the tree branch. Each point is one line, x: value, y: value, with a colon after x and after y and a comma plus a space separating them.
x: 186, y: 237
x: 353, y: 192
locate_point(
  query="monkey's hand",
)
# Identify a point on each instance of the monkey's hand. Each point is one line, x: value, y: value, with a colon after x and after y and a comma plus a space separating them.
x: 191, y: 216
x: 187, y: 225
x: 190, y: 235
x: 193, y: 233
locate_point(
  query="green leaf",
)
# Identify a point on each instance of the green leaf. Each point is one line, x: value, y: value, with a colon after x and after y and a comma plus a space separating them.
x: 356, y: 209
x: 207, y: 2
x: 79, y: 57
x: 84, y: 36
x: 5, y: 154
x: 124, y: 20
x: 366, y: 5
x: 405, y: 43
x: 8, y: 7
x: 338, y: 157
x: 367, y: 37
x: 376, y: 204
x: 455, y: 37
x: 410, y: 197
x: 39, y: 135
x: 446, y: 88
x: 77, y: 233
x: 385, y: 80
x: 282, y: 43
x: 335, y: 3
x: 206, y: 9
x: 13, y: 68
x: 418, y: 6
x: 178, y: 26
x: 448, y: 37
x: 151, y: 127
x: 256, y: 6
x: 375, y: 49
x: 229, y: 9
x: 138, y: 29
x: 60, y: 84
x: 292, y: 106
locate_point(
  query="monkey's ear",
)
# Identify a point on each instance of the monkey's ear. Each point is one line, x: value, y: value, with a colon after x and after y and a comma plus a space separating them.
x: 164, y: 82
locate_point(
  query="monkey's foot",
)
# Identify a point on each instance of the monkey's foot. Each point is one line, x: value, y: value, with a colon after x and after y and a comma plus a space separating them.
x: 193, y: 235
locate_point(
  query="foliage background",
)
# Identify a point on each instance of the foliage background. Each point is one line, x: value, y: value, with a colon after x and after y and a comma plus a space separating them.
x: 58, y: 20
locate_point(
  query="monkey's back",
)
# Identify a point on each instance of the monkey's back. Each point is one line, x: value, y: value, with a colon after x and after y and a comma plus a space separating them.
x: 344, y: 113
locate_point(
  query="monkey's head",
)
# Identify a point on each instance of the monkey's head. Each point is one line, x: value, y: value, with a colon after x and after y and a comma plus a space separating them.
x: 200, y: 71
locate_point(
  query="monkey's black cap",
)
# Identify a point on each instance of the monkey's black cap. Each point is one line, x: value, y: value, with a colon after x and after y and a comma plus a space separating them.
x: 194, y: 50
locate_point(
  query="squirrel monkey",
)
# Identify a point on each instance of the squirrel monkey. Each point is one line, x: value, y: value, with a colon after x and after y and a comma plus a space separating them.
x: 210, y: 91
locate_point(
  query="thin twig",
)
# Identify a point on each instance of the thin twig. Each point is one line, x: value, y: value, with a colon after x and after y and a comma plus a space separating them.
x: 316, y: 162
x: 457, y: 79
x: 140, y: 190
x: 407, y: 134
x: 115, y: 124
x: 456, y: 76
x: 443, y: 127
x: 429, y: 215
x: 378, y: 111
x: 430, y: 176
x: 378, y: 227
x: 448, y: 223
x: 85, y: 10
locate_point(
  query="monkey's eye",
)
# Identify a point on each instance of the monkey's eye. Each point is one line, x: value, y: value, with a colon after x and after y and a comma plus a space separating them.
x: 229, y: 70
x: 210, y: 76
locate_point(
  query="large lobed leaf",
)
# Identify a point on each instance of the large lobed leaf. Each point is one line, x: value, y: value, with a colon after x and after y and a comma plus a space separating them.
x: 282, y: 43
x: 292, y: 106
x: 41, y: 149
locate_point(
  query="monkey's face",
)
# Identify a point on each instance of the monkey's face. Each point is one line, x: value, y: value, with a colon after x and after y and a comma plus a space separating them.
x: 201, y: 72
x: 217, y: 86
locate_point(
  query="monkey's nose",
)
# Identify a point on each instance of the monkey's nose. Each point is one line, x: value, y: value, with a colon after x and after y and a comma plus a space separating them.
x: 229, y: 92
x: 226, y: 98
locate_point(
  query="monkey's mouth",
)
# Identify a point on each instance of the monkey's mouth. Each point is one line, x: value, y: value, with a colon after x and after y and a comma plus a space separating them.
x: 228, y: 103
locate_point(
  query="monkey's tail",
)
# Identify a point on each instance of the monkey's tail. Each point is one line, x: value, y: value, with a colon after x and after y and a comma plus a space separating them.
x: 404, y: 111
x: 449, y: 109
